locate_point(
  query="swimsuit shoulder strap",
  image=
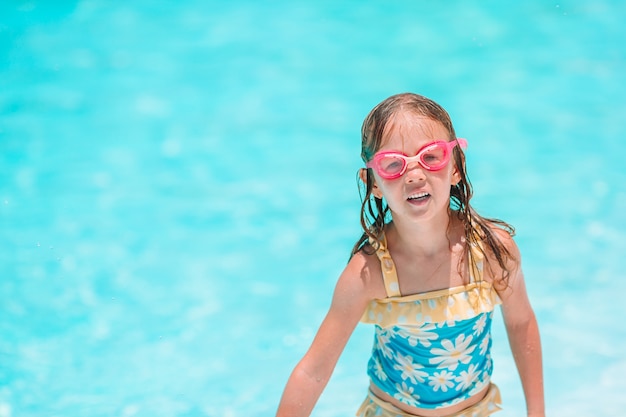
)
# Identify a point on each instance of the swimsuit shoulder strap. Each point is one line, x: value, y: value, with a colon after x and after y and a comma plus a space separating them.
x: 390, y: 276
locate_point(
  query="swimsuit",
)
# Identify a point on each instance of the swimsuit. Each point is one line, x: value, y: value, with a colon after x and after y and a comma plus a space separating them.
x: 432, y: 350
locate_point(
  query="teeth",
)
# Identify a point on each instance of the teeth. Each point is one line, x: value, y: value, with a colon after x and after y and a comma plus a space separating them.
x: 419, y: 195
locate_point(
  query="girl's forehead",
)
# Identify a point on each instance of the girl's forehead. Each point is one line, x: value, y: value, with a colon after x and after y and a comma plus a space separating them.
x: 406, y: 129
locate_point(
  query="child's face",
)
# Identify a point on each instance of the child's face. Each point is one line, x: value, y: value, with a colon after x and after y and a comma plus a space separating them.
x: 418, y: 191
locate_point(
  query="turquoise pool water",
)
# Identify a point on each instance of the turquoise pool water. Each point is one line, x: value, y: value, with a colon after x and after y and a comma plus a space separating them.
x: 178, y: 190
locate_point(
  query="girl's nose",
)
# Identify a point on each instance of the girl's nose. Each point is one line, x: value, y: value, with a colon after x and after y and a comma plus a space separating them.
x: 414, y: 172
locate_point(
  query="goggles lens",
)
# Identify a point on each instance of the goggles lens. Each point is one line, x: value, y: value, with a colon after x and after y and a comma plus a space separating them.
x: 432, y: 157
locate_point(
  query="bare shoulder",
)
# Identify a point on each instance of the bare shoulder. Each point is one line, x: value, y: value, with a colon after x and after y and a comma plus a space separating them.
x: 502, y: 254
x: 363, y: 271
x: 355, y: 288
x: 503, y: 238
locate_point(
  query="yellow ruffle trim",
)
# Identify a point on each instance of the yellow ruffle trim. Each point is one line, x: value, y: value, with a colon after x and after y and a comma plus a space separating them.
x: 448, y: 305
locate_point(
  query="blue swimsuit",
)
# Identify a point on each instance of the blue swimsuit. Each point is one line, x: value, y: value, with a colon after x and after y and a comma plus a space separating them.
x: 432, y: 350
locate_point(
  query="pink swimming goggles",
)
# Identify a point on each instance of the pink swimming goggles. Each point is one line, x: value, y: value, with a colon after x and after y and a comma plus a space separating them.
x: 432, y: 157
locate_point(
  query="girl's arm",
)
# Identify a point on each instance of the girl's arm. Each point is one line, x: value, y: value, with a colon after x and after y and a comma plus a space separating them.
x: 312, y: 373
x: 523, y: 333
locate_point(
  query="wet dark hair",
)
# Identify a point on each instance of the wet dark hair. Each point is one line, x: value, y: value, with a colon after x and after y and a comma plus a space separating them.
x: 375, y: 213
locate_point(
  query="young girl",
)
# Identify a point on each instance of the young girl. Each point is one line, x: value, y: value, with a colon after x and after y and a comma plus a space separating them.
x: 427, y: 273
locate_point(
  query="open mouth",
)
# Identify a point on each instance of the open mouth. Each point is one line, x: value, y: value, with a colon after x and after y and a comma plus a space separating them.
x: 418, y: 197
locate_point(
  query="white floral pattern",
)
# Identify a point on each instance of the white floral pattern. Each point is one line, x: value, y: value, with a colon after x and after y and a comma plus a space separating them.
x: 426, y: 334
x: 442, y: 380
x: 409, y: 369
x: 453, y: 353
x: 405, y: 394
x: 480, y: 324
x: 378, y: 370
x: 382, y: 343
x: 484, y: 345
x: 467, y: 378
x: 435, y: 363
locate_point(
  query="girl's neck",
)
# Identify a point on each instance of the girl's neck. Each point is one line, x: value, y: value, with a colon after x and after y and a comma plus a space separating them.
x: 423, y: 238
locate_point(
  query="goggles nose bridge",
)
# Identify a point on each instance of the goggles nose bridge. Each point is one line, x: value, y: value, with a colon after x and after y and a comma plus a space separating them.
x: 414, y: 164
x: 415, y: 160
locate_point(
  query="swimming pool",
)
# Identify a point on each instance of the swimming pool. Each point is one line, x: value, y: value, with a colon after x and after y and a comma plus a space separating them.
x: 178, y: 190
